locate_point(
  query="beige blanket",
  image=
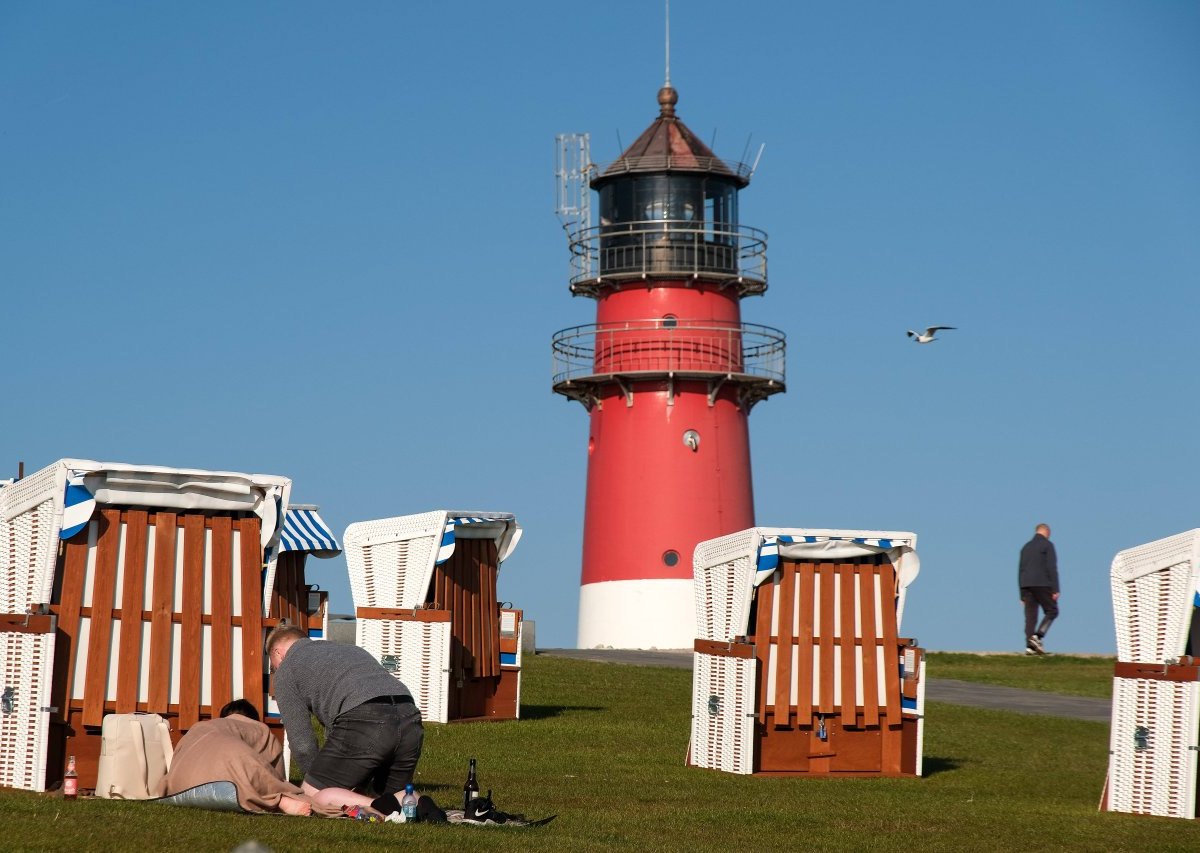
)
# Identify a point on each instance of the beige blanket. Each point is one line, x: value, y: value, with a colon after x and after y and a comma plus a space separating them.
x: 242, y: 751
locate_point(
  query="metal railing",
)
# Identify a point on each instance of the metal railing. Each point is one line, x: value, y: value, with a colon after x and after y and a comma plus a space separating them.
x: 668, y: 248
x: 736, y: 350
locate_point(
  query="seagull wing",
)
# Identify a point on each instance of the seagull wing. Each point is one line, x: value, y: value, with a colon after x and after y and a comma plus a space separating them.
x: 933, y: 329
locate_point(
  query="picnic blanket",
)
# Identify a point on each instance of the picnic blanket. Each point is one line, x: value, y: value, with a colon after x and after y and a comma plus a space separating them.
x: 215, y: 796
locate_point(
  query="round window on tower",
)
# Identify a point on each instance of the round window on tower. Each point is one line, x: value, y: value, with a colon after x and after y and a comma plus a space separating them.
x: 670, y: 321
x: 671, y: 558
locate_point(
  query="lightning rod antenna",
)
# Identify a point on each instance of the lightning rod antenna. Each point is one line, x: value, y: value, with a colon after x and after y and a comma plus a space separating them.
x: 668, y: 51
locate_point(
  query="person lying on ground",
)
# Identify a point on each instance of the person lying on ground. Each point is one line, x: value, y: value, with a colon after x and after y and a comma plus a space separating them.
x: 239, y: 748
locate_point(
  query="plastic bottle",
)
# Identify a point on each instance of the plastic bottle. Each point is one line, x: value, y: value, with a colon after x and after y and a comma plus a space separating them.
x: 70, y: 786
x: 408, y: 805
x: 471, y: 789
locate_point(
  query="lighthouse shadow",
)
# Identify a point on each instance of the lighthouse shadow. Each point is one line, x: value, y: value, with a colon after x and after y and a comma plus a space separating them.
x: 545, y: 712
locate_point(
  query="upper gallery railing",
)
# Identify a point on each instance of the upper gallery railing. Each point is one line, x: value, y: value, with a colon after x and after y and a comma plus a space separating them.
x: 666, y: 248
x: 737, y: 350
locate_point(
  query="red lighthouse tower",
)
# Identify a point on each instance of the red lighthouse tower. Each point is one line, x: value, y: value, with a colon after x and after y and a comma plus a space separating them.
x: 668, y: 374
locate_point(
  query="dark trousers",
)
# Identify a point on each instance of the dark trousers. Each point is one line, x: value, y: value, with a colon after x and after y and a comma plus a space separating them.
x: 1035, y: 597
x: 373, y: 748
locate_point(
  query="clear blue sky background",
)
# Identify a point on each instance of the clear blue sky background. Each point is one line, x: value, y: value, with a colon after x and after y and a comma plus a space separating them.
x: 318, y: 240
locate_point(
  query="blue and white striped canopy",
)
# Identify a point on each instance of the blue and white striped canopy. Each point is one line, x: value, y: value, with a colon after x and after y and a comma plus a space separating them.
x: 768, y: 551
x: 305, y: 530
x: 78, y: 506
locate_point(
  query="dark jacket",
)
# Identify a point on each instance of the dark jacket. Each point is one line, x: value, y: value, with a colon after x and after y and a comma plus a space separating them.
x: 1039, y: 564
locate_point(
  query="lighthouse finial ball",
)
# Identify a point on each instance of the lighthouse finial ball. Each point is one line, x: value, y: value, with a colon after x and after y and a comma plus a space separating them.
x: 667, y: 99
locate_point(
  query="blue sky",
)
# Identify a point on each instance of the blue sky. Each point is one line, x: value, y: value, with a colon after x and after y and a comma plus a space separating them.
x: 318, y: 240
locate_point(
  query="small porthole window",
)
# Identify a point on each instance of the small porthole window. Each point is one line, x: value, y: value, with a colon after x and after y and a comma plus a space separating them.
x: 671, y: 558
x: 670, y: 321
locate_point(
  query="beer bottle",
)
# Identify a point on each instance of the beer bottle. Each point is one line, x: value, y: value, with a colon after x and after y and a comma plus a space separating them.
x: 471, y: 789
x: 70, y: 781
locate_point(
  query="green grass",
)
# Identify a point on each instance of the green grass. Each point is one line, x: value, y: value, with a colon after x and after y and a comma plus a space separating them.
x: 602, y: 746
x: 1073, y: 676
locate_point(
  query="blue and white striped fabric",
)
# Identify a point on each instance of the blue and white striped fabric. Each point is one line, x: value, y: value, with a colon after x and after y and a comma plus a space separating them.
x: 305, y: 530
x: 768, y: 551
x: 446, y: 549
x: 78, y: 505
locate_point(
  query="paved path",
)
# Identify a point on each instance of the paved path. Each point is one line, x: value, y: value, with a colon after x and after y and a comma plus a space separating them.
x: 936, y: 689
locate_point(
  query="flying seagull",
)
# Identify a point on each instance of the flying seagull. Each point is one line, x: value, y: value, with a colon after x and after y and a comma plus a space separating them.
x: 927, y: 336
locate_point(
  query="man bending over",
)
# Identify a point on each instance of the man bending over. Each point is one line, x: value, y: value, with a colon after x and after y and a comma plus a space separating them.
x: 373, y: 731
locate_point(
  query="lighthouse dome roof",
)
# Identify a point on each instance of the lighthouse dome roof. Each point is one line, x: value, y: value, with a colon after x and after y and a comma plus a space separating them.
x: 669, y: 145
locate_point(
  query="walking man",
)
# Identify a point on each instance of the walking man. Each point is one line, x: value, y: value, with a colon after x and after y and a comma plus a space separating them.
x: 373, y: 731
x: 1038, y: 579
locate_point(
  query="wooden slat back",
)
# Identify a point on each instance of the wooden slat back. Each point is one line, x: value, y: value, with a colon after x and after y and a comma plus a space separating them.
x: 764, y: 601
x: 132, y: 593
x: 489, y: 627
x: 825, y: 635
x: 785, y: 650
x: 162, y: 598
x: 289, y: 599
x: 189, y: 571
x: 254, y: 679
x: 870, y: 648
x: 104, y: 582
x: 466, y: 586
x: 190, y: 643
x: 891, y: 643
x: 804, y: 640
x: 848, y: 653
x: 221, y: 630
x: 74, y: 571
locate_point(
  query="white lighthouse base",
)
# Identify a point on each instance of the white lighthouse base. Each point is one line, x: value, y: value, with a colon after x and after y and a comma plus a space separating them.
x: 639, y: 614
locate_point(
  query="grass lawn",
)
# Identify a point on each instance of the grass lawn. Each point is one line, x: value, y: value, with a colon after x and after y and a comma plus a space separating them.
x: 602, y: 745
x: 1073, y: 676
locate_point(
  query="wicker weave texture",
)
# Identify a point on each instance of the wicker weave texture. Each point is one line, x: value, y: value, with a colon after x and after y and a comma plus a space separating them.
x: 417, y: 653
x: 46, y: 484
x: 1153, y: 591
x: 390, y: 561
x: 28, y: 664
x: 723, y: 691
x: 723, y: 583
x: 28, y: 550
x: 1152, y: 747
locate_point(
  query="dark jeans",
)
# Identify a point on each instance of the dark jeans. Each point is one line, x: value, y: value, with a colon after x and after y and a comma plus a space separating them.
x: 1035, y: 597
x: 372, y: 748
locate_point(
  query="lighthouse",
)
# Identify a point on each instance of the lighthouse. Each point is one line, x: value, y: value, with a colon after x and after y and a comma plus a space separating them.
x: 668, y: 375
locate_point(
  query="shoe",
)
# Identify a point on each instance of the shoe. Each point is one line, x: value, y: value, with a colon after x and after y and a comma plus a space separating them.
x: 1035, y: 642
x: 1030, y: 651
x: 482, y: 810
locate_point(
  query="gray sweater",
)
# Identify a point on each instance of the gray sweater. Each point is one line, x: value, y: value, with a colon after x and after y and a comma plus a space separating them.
x: 326, y: 679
